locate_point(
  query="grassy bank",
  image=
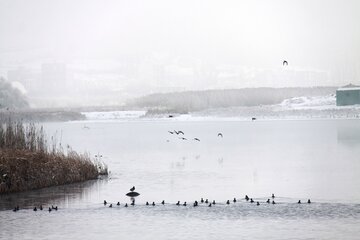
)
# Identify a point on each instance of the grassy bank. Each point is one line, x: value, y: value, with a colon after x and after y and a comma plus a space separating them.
x: 28, y: 162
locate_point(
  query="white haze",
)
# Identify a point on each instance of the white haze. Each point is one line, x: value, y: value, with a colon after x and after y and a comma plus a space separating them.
x: 121, y: 49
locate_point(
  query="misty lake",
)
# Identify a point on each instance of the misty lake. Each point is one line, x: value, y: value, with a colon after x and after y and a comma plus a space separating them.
x: 294, y: 159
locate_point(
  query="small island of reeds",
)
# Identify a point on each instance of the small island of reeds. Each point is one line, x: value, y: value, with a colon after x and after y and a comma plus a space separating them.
x: 28, y: 162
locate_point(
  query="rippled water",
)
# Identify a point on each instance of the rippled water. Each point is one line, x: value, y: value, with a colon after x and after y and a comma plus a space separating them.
x: 292, y: 159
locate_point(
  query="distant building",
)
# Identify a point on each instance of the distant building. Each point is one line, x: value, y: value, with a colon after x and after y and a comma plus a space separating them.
x: 348, y: 95
x: 53, y: 76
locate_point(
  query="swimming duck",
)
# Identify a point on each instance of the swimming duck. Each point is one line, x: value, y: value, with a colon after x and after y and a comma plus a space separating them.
x: 163, y: 202
x: 206, y: 201
x: 299, y: 202
x: 246, y: 197
x: 273, y: 202
x: 213, y: 202
x: 257, y: 203
x: 110, y: 205
x: 202, y: 200
x: 184, y: 204
x: 126, y: 205
x: 309, y: 201
x: 251, y: 200
x: 118, y: 203
x: 178, y: 203
x: 105, y: 202
x: 228, y: 202
x: 268, y: 201
x: 153, y: 203
x: 273, y: 196
x: 234, y: 200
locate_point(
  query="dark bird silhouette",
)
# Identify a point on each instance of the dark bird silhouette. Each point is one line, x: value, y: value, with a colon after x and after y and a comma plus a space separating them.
x: 133, y: 203
x: 49, y: 209
x: 184, y: 204
x: 126, y: 205
x: 118, y: 203
x: 176, y: 132
x: 273, y: 202
x: 163, y: 202
x: 15, y: 209
x: 253, y: 118
x: 246, y: 197
x: 285, y: 63
x: 202, y: 200
x: 110, y: 205
x: 35, y: 209
x: 41, y: 207
x: 210, y: 205
x: 196, y: 139
x: 251, y: 200
x: 206, y: 201
x: 299, y: 202
x: 105, y: 202
x: 171, y: 132
x: 178, y: 203
x: 196, y: 203
x: 220, y: 135
x: 56, y: 208
x: 180, y: 132
x: 147, y: 203
x: 132, y: 189
x: 273, y: 196
x: 183, y: 138
x: 213, y: 202
x: 153, y: 203
x: 257, y: 203
x: 228, y: 202
x: 268, y: 201
x: 309, y: 201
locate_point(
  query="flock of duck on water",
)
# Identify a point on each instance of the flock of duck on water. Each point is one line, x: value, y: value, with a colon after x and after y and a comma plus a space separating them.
x: 133, y: 194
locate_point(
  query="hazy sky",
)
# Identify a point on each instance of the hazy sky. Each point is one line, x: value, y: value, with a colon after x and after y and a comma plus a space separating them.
x: 318, y: 34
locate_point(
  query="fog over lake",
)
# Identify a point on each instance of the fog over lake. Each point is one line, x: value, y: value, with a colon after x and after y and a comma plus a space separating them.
x: 224, y: 116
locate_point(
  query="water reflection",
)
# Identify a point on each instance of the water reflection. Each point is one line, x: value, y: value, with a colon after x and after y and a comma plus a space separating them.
x: 64, y: 195
x: 348, y: 134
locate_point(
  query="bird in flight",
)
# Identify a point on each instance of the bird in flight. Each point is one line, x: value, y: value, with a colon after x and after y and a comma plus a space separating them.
x: 196, y: 139
x: 132, y: 189
x: 220, y: 135
x: 285, y: 63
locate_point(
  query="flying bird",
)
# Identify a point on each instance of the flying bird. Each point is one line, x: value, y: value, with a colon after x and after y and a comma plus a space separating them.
x: 196, y: 139
x: 220, y: 135
x: 132, y: 189
x: 285, y: 63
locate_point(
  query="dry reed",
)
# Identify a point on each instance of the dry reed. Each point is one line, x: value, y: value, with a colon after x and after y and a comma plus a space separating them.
x: 27, y: 162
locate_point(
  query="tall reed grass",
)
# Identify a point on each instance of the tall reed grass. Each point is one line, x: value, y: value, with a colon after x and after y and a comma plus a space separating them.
x: 28, y: 161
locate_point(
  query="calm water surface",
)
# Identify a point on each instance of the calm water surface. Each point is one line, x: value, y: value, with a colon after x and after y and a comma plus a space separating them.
x: 316, y: 159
